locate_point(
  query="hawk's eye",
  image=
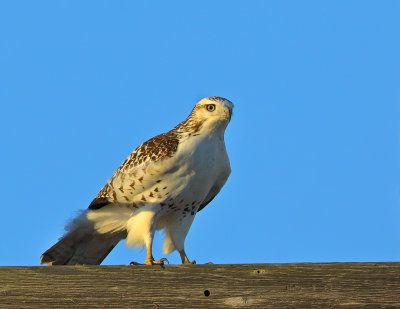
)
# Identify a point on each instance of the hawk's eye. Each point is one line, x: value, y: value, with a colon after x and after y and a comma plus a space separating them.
x: 210, y: 107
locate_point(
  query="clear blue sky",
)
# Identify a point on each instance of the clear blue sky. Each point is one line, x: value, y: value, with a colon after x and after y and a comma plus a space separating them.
x: 314, y: 139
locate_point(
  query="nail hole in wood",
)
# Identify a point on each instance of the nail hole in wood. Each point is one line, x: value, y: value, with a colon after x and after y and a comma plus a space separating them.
x: 207, y: 293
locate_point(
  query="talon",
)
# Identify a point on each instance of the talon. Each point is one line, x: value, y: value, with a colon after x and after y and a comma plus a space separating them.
x: 159, y: 262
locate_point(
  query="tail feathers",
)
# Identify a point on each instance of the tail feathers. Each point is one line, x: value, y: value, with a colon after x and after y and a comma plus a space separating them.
x: 81, y: 247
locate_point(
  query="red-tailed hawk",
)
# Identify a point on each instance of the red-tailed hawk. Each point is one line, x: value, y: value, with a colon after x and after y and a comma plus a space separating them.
x: 161, y: 185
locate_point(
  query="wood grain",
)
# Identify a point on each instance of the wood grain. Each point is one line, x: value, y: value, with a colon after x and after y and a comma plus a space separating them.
x: 304, y: 285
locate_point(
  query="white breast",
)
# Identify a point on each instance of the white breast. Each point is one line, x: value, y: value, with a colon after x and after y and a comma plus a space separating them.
x: 205, y: 163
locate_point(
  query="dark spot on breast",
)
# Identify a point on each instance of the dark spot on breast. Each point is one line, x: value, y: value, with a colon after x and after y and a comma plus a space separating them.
x: 194, y: 202
x: 186, y: 209
x: 166, y: 193
x: 165, y: 188
x: 143, y: 198
x: 170, y: 205
x: 154, y: 158
x: 151, y: 194
x: 162, y: 204
x: 121, y: 188
x: 181, y: 201
x: 158, y: 181
x: 141, y: 179
x: 155, y: 189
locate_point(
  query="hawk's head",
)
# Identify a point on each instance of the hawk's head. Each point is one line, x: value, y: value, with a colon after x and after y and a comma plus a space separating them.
x: 215, y: 108
x: 209, y: 114
x: 212, y: 112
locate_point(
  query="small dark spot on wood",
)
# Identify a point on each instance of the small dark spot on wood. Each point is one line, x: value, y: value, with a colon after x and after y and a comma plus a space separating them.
x: 207, y: 293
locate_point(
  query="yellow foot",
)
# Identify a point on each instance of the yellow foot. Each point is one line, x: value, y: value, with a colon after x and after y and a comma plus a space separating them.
x: 186, y: 261
x: 152, y: 262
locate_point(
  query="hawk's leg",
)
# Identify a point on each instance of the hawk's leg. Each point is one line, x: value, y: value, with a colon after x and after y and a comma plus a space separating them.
x: 149, y: 247
x: 184, y: 258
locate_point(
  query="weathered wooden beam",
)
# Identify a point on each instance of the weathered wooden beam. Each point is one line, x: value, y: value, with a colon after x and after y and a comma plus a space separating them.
x: 305, y: 285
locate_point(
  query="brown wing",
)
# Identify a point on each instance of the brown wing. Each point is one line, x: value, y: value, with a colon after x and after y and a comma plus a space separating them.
x: 155, y: 149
